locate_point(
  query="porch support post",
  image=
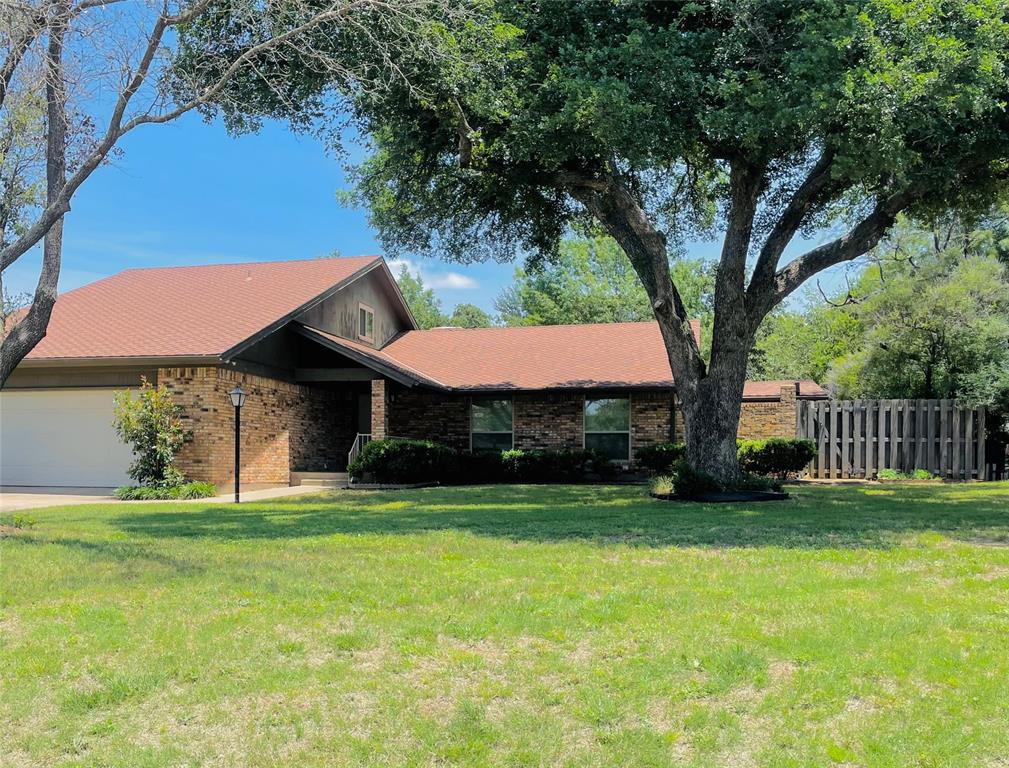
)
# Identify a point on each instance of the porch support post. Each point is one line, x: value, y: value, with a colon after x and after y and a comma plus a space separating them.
x: 379, y: 409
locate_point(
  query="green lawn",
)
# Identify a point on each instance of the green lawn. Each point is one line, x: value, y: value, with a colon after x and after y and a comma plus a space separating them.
x: 512, y: 626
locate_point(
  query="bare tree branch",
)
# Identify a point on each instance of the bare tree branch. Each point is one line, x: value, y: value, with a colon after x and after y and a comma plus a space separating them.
x: 18, y: 48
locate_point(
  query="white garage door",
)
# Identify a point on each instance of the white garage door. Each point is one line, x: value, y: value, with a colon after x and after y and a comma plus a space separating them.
x: 60, y: 438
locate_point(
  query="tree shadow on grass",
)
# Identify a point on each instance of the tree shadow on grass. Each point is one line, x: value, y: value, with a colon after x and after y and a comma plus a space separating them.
x: 817, y: 517
x: 117, y: 551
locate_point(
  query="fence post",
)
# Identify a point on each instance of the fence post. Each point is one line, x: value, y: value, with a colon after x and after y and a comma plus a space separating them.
x: 943, y: 444
x: 982, y: 459
x: 870, y: 436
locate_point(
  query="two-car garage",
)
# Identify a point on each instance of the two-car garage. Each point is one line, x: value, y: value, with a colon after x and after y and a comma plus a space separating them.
x: 60, y: 437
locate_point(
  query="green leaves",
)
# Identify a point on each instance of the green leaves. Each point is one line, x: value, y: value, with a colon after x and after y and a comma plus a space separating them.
x: 151, y: 422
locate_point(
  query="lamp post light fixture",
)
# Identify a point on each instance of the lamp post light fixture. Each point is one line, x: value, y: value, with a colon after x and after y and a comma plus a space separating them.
x: 237, y: 396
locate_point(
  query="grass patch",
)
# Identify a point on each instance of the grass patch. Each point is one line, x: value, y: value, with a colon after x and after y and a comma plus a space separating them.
x: 511, y: 626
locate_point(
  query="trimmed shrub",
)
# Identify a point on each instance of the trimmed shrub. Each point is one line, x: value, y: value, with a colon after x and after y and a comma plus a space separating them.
x: 659, y: 459
x: 405, y: 461
x: 196, y: 490
x: 478, y: 468
x: 778, y: 456
x: 553, y: 466
x: 691, y: 483
x: 416, y: 461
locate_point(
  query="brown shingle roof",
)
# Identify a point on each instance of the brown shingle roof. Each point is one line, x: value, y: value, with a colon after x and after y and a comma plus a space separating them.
x: 532, y: 357
x: 540, y: 357
x: 186, y: 311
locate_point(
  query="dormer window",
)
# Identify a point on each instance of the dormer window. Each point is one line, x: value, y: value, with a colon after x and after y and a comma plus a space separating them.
x: 366, y: 323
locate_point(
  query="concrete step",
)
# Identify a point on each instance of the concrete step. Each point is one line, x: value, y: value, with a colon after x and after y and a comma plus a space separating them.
x: 320, y: 479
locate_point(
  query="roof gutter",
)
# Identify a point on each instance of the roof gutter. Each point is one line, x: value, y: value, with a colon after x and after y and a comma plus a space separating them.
x: 169, y: 361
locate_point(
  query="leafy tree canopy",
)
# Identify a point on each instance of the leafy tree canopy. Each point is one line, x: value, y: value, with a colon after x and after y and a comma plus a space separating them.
x: 426, y: 306
x: 591, y: 281
x: 470, y: 316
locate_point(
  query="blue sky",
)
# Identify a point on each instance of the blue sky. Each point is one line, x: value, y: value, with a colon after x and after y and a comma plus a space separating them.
x: 188, y: 193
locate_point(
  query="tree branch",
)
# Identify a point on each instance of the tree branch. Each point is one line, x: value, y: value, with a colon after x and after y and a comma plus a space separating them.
x: 860, y: 239
x: 19, y: 47
x: 815, y: 184
x: 19, y: 340
x: 610, y: 201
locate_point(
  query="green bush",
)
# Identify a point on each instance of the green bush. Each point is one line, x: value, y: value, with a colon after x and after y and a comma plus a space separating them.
x: 778, y: 456
x: 893, y: 474
x: 415, y: 461
x: 151, y: 422
x: 659, y: 459
x: 522, y: 466
x: 691, y: 483
x: 405, y: 461
x: 196, y: 490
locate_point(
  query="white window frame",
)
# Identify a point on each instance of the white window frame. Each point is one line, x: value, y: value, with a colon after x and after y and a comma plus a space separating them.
x: 362, y: 328
x: 630, y: 423
x: 473, y: 401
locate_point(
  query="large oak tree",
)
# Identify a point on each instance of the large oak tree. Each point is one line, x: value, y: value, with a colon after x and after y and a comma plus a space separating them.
x: 656, y: 120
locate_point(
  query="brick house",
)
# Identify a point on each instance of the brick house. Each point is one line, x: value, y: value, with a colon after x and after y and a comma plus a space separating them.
x: 328, y: 350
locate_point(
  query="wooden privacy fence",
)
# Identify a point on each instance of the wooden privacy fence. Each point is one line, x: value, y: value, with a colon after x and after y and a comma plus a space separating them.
x: 857, y: 438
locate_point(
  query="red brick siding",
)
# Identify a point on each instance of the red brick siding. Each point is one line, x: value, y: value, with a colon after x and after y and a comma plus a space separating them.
x: 761, y: 420
x: 542, y: 420
x: 425, y: 415
x: 545, y: 420
x: 379, y: 409
x: 651, y: 418
x: 284, y: 426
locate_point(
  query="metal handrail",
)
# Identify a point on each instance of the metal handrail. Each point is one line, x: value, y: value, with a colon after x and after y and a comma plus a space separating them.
x: 361, y: 440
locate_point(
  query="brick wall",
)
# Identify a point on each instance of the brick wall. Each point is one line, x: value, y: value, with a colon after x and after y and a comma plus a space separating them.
x: 542, y: 420
x: 545, y: 420
x: 425, y: 415
x: 652, y: 418
x: 379, y: 408
x: 760, y: 420
x: 284, y: 426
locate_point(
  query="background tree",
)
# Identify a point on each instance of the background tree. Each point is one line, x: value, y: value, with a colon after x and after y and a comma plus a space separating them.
x: 656, y: 120
x: 927, y: 317
x: 426, y: 307
x: 469, y: 316
x: 55, y: 55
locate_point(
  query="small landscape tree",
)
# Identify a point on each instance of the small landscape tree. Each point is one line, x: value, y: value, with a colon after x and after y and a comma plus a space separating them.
x: 150, y: 422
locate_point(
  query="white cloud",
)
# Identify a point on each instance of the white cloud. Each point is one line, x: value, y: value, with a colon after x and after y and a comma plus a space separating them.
x: 452, y: 281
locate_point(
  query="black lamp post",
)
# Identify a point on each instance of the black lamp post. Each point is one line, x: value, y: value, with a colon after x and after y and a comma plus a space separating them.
x: 237, y: 396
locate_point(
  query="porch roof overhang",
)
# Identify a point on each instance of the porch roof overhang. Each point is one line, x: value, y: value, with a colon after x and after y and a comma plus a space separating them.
x: 368, y: 357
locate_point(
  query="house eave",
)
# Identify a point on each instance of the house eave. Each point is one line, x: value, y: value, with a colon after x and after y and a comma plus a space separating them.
x: 148, y: 361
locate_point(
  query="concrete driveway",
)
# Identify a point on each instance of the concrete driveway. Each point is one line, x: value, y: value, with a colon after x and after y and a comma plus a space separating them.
x: 19, y: 498
x: 34, y: 498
